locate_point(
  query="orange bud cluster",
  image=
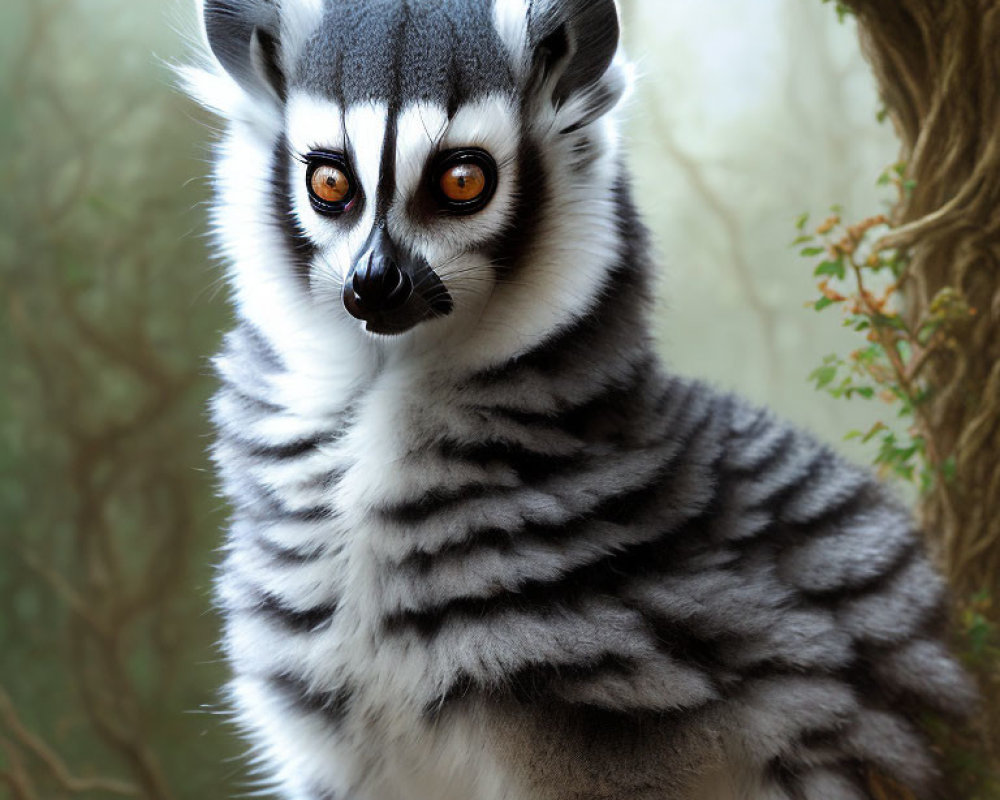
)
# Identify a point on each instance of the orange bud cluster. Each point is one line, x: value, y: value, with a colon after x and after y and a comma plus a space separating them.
x: 828, y: 225
x: 855, y: 235
x: 879, y: 304
x: 845, y: 247
x: 830, y: 293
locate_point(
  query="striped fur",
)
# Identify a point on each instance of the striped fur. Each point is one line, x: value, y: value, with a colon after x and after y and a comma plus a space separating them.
x: 507, y: 556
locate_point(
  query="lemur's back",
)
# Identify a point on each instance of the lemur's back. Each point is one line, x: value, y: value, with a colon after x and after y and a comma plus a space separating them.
x: 483, y: 546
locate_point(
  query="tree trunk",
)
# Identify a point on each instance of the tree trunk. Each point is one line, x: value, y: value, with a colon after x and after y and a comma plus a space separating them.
x: 938, y: 66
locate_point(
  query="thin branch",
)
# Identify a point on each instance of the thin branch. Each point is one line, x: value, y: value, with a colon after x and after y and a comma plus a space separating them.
x: 55, y: 766
x: 17, y: 777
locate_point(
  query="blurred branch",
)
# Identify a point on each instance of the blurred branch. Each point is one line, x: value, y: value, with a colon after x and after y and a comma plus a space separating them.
x: 729, y: 222
x: 55, y: 767
x: 16, y: 776
x: 66, y: 592
x: 103, y: 354
x: 103, y: 602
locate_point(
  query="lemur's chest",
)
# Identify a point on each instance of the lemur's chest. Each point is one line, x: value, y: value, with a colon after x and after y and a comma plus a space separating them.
x: 333, y: 555
x: 436, y: 524
x: 357, y: 513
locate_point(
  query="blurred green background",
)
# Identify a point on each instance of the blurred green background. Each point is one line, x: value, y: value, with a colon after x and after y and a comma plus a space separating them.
x: 746, y: 115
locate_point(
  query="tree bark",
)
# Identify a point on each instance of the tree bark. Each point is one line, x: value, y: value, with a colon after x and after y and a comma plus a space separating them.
x: 938, y: 67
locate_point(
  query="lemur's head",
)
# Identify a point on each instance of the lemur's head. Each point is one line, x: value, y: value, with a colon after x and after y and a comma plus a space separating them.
x: 426, y: 164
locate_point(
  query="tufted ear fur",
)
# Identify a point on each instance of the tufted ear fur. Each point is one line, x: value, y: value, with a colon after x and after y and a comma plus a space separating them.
x: 573, y: 46
x: 245, y: 37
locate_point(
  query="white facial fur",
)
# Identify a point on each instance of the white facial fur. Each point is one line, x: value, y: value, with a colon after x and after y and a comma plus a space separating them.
x: 511, y: 20
x: 489, y: 124
x: 575, y: 247
x: 558, y: 280
x: 572, y: 251
x: 315, y: 123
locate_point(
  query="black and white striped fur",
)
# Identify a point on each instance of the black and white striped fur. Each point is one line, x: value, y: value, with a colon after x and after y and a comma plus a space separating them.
x: 506, y: 556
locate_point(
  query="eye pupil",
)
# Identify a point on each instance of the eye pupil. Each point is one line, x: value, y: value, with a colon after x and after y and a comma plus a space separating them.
x: 330, y: 186
x: 463, y: 183
x: 330, y: 183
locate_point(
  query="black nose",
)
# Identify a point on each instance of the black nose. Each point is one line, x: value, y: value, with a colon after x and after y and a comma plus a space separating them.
x: 379, y: 284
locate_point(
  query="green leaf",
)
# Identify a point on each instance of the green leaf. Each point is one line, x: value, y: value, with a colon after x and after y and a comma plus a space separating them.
x: 870, y: 354
x: 893, y: 321
x: 835, y: 269
x: 806, y: 238
x: 824, y: 375
x: 801, y: 221
x: 823, y: 302
x: 810, y: 252
x: 876, y: 429
x: 843, y: 10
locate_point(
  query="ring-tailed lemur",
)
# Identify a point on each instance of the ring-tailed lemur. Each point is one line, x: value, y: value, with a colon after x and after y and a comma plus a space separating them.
x: 483, y: 545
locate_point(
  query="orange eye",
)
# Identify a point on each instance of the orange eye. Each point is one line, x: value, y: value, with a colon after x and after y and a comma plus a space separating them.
x: 465, y: 180
x: 330, y: 184
x: 463, y: 183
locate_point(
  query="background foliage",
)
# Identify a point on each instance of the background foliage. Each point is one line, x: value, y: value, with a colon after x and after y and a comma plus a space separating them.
x: 107, y: 522
x: 746, y: 115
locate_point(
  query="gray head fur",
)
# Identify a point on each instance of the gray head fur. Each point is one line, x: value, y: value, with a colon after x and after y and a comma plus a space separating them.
x: 446, y: 51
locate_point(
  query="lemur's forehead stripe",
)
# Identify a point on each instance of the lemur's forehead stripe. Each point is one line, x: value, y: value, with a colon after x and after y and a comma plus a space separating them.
x: 447, y: 52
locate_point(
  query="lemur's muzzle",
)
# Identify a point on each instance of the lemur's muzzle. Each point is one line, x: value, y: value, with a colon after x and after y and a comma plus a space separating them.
x: 390, y: 292
x: 379, y: 284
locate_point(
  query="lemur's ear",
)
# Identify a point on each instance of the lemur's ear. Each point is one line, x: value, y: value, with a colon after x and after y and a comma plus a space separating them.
x: 244, y: 36
x: 573, y: 45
